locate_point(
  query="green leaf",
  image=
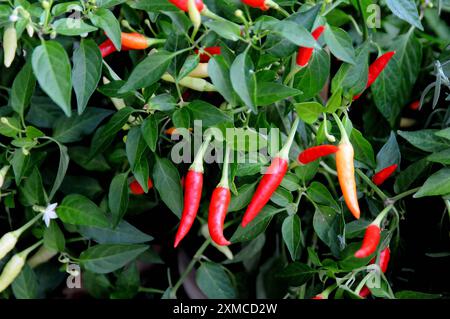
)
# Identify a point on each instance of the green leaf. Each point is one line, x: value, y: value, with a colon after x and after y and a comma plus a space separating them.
x: 31, y: 192
x: 219, y: 72
x: 297, y: 273
x: 406, y: 10
x: 22, y: 89
x: 19, y: 164
x: 26, y: 285
x: 167, y: 182
x: 292, y: 234
x: 135, y: 147
x: 256, y: 226
x: 271, y: 92
x: 118, y: 197
x: 72, y: 27
x: 249, y: 251
x: 209, y: 114
x: 225, y: 29
x: 162, y: 102
x: 74, y: 128
x: 128, y: 282
x: 153, y: 6
x: 312, y: 79
x: 326, y: 224
x: 214, y: 282
x: 321, y: 195
x: 104, y: 136
x: 393, y: 87
x: 79, y: 210
x: 51, y: 66
x: 123, y: 233
x: 241, y: 200
x: 410, y: 294
x: 425, y: 140
x: 148, y: 71
x: 294, y: 33
x: 62, y: 169
x: 189, y: 65
x: 309, y: 112
x: 54, y: 237
x: 105, y: 20
x: 444, y: 133
x: 363, y: 149
x: 442, y: 157
x: 243, y: 80
x: 86, y: 73
x: 407, y: 177
x: 149, y: 130
x: 436, y: 184
x: 340, y: 44
x: 106, y: 258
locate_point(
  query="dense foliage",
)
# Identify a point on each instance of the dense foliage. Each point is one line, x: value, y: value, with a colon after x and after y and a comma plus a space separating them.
x: 90, y: 179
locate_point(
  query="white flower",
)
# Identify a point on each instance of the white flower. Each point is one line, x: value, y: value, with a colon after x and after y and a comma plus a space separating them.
x: 49, y: 213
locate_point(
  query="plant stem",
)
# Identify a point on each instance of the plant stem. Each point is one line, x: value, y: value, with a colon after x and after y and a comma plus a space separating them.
x: 188, y: 269
x: 404, y: 194
x: 151, y: 290
x: 372, y: 185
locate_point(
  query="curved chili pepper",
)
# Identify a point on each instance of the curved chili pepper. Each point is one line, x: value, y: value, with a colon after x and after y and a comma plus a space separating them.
x: 136, y: 41
x: 259, y: 4
x: 370, y: 242
x: 183, y: 4
x: 318, y: 297
x: 314, y: 153
x: 271, y: 179
x: 380, y: 177
x: 218, y: 207
x: 193, y: 185
x: 205, y: 57
x: 346, y: 171
x: 385, y: 256
x: 136, y: 188
x: 376, y: 68
x: 372, y: 235
x: 304, y: 54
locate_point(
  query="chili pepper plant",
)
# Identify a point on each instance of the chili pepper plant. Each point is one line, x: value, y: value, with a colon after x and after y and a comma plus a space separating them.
x: 224, y: 149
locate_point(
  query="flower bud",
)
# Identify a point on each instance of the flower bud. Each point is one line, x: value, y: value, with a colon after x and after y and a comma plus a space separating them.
x: 11, y: 270
x: 7, y: 243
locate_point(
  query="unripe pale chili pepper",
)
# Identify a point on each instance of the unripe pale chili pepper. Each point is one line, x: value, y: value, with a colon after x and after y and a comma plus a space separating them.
x: 200, y: 71
x: 376, y: 68
x: 193, y: 186
x: 372, y: 236
x: 3, y: 173
x: 9, y: 240
x: 380, y: 177
x: 195, y: 84
x: 304, y: 54
x: 183, y: 4
x: 314, y: 153
x: 218, y: 207
x: 209, y: 51
x: 9, y: 45
x: 271, y: 179
x: 14, y: 266
x: 42, y: 255
x: 136, y: 188
x: 385, y: 256
x: 195, y: 16
x: 346, y: 171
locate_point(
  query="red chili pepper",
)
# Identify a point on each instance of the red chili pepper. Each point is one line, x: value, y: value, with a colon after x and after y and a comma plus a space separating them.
x: 318, y: 297
x: 218, y: 207
x: 259, y: 4
x: 372, y: 236
x: 271, y: 179
x: 183, y: 4
x: 376, y: 68
x: 304, y: 54
x: 204, y: 57
x: 380, y: 177
x: 385, y: 255
x: 314, y: 153
x: 136, y: 41
x: 107, y: 47
x: 345, y: 168
x: 136, y: 188
x: 193, y: 186
x: 370, y: 242
x: 415, y: 105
